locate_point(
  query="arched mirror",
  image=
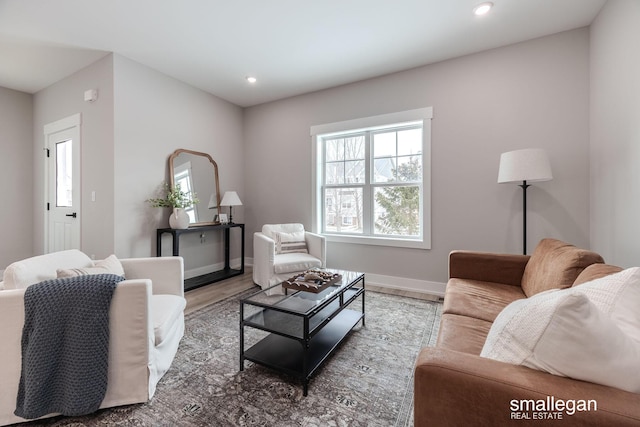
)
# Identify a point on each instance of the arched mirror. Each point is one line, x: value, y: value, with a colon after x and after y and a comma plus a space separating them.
x: 197, y: 173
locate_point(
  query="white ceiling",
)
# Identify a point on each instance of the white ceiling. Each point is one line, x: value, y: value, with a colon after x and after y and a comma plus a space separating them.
x: 291, y: 46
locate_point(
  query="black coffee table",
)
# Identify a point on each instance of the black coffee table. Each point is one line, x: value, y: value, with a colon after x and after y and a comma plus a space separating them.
x: 304, y: 328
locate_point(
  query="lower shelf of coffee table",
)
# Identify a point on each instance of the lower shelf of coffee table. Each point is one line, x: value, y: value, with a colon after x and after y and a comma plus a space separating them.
x: 287, y: 355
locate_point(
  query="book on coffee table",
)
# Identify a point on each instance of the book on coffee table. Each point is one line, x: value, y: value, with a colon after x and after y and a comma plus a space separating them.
x: 312, y: 281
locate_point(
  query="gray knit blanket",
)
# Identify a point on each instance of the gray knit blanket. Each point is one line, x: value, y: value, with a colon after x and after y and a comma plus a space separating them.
x: 65, y: 346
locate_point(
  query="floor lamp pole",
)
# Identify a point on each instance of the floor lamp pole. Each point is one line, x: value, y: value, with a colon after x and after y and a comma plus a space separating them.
x: 524, y: 186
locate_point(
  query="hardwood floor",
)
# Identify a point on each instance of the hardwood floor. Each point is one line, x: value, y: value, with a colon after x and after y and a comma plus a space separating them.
x: 208, y: 294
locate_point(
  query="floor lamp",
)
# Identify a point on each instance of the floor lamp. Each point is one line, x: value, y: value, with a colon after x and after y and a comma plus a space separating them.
x: 528, y: 165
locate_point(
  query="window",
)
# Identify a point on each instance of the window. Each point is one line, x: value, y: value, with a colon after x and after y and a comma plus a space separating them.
x: 371, y: 179
x: 183, y: 176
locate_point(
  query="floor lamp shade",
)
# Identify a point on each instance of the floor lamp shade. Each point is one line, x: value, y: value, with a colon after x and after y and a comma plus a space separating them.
x: 532, y: 165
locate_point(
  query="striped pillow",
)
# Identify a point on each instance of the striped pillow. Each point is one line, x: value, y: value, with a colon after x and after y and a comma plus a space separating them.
x: 111, y: 264
x: 288, y: 243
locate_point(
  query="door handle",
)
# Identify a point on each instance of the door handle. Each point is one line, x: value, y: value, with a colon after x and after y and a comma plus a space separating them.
x: 72, y: 215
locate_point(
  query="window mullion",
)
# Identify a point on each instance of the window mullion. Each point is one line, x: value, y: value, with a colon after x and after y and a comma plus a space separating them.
x: 367, y: 191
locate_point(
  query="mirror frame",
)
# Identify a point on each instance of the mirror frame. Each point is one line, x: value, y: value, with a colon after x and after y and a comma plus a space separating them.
x: 215, y: 171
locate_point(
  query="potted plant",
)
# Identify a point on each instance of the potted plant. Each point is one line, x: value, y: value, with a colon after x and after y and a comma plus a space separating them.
x: 178, y: 200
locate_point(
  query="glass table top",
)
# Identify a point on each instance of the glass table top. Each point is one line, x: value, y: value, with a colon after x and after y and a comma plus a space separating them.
x: 302, y: 302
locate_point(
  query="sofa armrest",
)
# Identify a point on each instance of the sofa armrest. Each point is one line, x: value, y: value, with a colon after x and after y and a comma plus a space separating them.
x: 454, y: 388
x: 12, y: 321
x: 317, y: 246
x: 487, y: 267
x: 130, y: 337
x: 166, y: 273
x: 264, y: 251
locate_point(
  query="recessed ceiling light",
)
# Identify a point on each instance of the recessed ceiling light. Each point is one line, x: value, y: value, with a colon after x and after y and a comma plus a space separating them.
x: 482, y: 8
x: 251, y: 79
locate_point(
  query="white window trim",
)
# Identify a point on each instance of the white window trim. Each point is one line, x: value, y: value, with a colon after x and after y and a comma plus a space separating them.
x: 384, y: 120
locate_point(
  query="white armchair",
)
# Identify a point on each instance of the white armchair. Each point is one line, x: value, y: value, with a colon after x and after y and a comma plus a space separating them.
x: 146, y: 323
x: 281, y: 250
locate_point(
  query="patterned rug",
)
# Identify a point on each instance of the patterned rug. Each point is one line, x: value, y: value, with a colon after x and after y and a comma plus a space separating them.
x: 367, y: 382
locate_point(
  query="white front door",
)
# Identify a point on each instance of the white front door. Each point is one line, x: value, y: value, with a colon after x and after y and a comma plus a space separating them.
x: 62, y: 144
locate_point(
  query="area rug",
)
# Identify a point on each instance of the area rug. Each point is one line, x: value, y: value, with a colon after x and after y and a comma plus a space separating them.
x: 367, y: 382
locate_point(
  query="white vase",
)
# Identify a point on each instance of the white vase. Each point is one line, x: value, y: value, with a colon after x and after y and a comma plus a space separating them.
x: 179, y: 219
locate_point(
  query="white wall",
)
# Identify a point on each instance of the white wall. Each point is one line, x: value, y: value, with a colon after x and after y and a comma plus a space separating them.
x: 615, y: 133
x: 532, y: 94
x: 16, y: 175
x: 139, y: 119
x: 64, y: 99
x: 155, y: 115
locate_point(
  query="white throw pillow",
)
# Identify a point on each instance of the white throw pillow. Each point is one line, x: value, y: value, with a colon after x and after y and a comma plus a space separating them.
x: 582, y: 342
x: 26, y: 272
x: 617, y: 295
x: 588, y: 332
x: 287, y: 243
x: 519, y: 326
x: 111, y: 265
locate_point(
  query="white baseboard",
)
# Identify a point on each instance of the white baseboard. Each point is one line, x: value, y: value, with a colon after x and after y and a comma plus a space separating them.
x: 404, y: 284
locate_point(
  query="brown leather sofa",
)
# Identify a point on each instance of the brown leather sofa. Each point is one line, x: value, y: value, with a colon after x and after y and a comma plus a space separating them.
x: 454, y: 386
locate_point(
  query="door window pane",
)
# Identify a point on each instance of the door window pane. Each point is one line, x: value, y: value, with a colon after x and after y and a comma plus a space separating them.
x: 64, y: 174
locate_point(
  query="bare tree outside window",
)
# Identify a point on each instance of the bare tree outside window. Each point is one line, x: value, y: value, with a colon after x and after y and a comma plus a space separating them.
x: 344, y: 164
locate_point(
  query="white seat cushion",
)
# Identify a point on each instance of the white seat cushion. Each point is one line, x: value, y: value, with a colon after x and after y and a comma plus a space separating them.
x: 294, y: 262
x: 165, y: 310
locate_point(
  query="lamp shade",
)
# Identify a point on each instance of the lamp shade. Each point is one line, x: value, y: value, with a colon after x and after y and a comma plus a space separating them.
x: 531, y: 164
x: 230, y: 198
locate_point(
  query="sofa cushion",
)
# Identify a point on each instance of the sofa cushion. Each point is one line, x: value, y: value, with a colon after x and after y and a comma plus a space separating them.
x: 569, y: 337
x: 111, y: 265
x: 165, y: 311
x: 481, y: 300
x: 555, y: 265
x: 462, y: 333
x: 596, y: 271
x: 26, y: 272
x: 295, y: 262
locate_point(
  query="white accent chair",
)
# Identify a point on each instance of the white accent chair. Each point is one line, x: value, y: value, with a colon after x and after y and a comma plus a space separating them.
x: 271, y: 266
x: 146, y: 323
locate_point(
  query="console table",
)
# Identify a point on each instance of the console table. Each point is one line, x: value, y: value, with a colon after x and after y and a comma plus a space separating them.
x: 215, y: 276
